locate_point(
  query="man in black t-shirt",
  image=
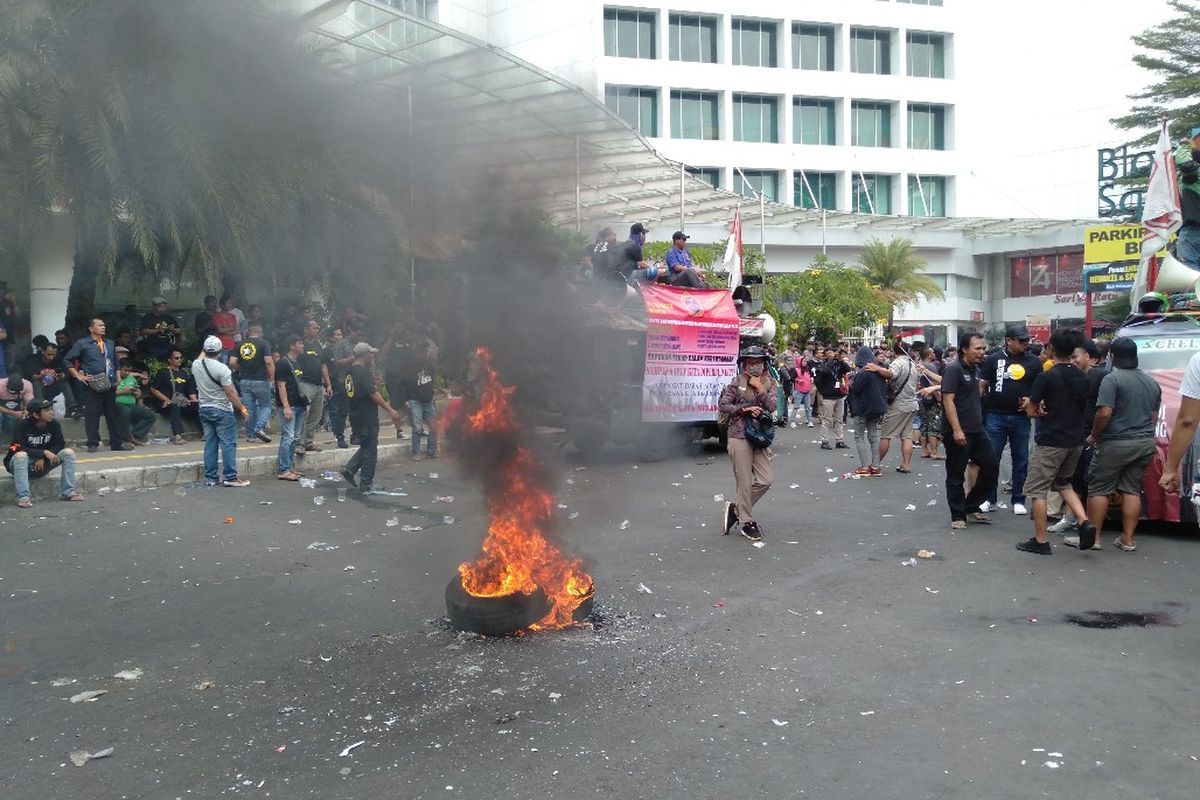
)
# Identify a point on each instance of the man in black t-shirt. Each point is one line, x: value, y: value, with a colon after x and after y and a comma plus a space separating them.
x: 203, y: 323
x: 962, y: 430
x: 1056, y: 400
x: 1010, y: 373
x: 159, y: 330
x: 293, y: 406
x: 827, y: 378
x: 256, y: 370
x: 312, y: 370
x: 631, y: 254
x: 173, y: 394
x: 364, y: 401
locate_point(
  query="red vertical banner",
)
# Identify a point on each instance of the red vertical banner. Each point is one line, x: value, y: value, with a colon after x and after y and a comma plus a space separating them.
x: 691, y: 352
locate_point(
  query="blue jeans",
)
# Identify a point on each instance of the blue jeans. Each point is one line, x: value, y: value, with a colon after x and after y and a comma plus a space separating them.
x: 1013, y: 428
x: 22, y: 470
x: 339, y: 407
x: 802, y: 400
x: 290, y: 431
x: 423, y: 415
x: 220, y: 428
x: 256, y: 397
x: 1187, y: 248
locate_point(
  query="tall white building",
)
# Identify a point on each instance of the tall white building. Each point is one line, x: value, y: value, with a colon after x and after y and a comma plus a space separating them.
x: 846, y: 106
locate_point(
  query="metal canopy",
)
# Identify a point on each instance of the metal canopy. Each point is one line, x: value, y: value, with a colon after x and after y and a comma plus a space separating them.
x: 558, y: 144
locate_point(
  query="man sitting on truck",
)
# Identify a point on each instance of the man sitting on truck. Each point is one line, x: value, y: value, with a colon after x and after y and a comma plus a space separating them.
x: 680, y: 271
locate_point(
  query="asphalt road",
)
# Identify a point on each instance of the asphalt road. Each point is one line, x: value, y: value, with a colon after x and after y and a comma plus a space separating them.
x: 817, y: 666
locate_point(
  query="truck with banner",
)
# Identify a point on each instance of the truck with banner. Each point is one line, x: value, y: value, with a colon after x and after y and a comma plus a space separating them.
x: 660, y: 360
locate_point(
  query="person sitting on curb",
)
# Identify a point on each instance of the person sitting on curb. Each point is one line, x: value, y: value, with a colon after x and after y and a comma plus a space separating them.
x: 37, y: 448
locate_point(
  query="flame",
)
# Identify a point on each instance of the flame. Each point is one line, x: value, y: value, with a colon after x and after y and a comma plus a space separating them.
x: 517, y: 556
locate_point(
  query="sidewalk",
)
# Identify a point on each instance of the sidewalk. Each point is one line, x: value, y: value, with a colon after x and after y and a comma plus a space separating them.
x: 167, y: 465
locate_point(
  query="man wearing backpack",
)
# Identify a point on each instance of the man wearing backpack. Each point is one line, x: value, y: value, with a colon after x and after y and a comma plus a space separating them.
x: 746, y: 407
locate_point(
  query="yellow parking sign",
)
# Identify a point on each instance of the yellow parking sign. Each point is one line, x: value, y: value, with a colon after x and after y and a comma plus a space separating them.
x: 1105, y: 244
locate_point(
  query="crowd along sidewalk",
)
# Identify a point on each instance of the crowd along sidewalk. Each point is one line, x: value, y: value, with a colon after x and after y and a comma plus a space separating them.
x: 168, y: 465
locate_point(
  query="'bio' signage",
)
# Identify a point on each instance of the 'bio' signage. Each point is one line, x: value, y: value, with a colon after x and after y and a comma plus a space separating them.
x: 1116, y: 166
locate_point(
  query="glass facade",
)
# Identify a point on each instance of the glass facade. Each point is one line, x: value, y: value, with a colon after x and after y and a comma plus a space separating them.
x: 820, y: 190
x: 758, y: 180
x: 629, y: 34
x: 814, y: 121
x: 695, y: 115
x: 870, y: 124
x: 710, y: 175
x: 926, y: 196
x: 926, y: 127
x: 871, y: 51
x: 921, y: 2
x: 693, y: 38
x: 812, y: 47
x: 636, y: 105
x: 926, y: 55
x: 754, y: 43
x: 872, y: 194
x: 755, y: 118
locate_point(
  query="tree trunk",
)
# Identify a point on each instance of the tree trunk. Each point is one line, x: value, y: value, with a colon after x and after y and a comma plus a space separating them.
x: 81, y: 300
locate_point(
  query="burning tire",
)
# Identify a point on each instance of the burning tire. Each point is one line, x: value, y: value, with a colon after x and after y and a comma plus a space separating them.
x: 494, y: 616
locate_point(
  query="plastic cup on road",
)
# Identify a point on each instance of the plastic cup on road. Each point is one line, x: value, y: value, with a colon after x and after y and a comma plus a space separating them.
x: 341, y: 494
x: 319, y: 500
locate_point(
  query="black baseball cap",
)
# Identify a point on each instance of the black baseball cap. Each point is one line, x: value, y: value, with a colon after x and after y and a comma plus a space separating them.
x: 1124, y: 353
x: 677, y: 235
x: 38, y: 405
x: 638, y: 227
x: 1018, y: 331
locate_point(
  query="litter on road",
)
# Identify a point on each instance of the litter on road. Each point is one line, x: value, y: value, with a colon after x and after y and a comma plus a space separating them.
x: 81, y: 757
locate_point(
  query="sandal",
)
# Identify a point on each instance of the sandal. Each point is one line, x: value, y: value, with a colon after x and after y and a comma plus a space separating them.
x: 1128, y: 548
x: 288, y: 476
x: 938, y: 458
x: 72, y: 498
x: 903, y: 470
x: 980, y: 517
x: 24, y: 502
x: 958, y: 524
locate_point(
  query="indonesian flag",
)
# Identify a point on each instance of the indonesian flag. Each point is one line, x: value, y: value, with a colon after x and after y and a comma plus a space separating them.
x: 733, y: 250
x: 1160, y: 213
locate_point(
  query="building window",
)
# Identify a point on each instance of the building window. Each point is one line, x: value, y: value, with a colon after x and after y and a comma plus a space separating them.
x: 870, y: 124
x: 813, y: 121
x: 812, y: 47
x: 419, y: 8
x: 969, y: 288
x: 871, y: 51
x: 872, y: 194
x: 758, y: 181
x: 710, y: 175
x: 815, y: 189
x: 926, y: 127
x: 636, y: 105
x: 754, y: 43
x: 629, y: 34
x: 693, y: 38
x: 926, y: 196
x: 926, y: 55
x: 755, y: 118
x: 940, y: 280
x: 694, y: 115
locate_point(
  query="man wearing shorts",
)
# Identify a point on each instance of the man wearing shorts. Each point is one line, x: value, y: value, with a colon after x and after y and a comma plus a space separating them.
x: 1123, y: 438
x: 902, y: 375
x: 1057, y: 400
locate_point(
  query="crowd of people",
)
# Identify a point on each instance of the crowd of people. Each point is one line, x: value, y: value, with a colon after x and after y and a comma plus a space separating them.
x: 1091, y: 412
x: 307, y: 377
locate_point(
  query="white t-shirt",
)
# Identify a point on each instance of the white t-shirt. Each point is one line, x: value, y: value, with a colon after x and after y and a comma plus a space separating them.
x: 208, y: 390
x: 1191, y: 379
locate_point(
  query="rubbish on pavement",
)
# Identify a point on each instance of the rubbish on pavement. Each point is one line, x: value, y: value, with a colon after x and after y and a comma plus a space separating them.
x: 410, y: 528
x: 63, y: 681
x: 295, y: 521
x: 202, y: 685
x: 760, y: 544
x: 348, y: 568
x: 448, y: 520
x: 89, y: 696
x: 573, y: 515
x: 932, y: 591
x: 449, y: 499
x: 866, y: 713
x: 350, y: 748
x: 81, y: 757
x: 932, y: 502
x: 308, y: 483
x: 433, y: 476
x: 281, y: 748
x: 719, y: 604
x: 319, y: 500
x: 228, y: 520
x: 644, y: 589
x: 266, y: 502
x: 779, y: 723
x: 912, y: 562
x: 130, y: 674
x: 322, y: 546
x: 925, y: 554
x: 1031, y: 619
x: 718, y: 498
x: 341, y: 494
x: 910, y: 507
x: 624, y: 525
x: 393, y: 522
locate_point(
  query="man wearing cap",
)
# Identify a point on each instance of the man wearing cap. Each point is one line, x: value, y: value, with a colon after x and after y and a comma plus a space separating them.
x: 600, y: 255
x: 16, y: 394
x: 218, y: 400
x: 97, y: 372
x: 159, y: 330
x: 632, y: 258
x: 1187, y: 159
x: 37, y: 448
x: 1010, y: 373
x: 364, y: 399
x: 1123, y: 438
x: 680, y: 271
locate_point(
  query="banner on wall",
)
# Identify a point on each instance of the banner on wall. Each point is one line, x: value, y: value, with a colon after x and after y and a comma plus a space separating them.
x: 1038, y: 326
x: 691, y: 352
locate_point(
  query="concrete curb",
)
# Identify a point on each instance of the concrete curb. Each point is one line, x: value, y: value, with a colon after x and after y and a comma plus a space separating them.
x: 91, y: 481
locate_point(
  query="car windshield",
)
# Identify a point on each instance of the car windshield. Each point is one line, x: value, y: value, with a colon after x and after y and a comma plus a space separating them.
x: 1166, y: 350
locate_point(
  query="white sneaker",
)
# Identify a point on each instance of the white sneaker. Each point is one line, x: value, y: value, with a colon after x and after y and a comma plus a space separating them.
x: 810, y: 424
x: 793, y: 425
x: 1062, y: 526
x: 1019, y: 509
x: 985, y: 507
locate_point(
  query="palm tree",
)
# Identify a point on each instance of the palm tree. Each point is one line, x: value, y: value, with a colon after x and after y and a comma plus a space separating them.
x: 897, y: 273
